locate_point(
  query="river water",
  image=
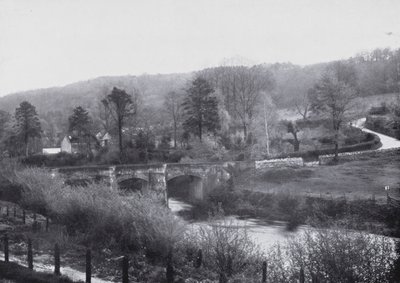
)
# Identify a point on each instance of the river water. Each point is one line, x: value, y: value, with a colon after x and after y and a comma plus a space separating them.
x: 263, y: 234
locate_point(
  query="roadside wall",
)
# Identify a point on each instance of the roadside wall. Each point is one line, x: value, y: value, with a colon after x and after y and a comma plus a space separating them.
x: 274, y: 163
x: 357, y: 155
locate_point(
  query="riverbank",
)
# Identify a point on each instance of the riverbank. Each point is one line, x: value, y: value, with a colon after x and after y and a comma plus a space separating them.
x: 295, y: 210
x: 363, y: 178
x: 72, y: 253
x: 12, y: 272
x: 350, y: 194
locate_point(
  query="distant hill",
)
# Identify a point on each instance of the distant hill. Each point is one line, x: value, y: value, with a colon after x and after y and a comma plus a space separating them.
x: 89, y: 93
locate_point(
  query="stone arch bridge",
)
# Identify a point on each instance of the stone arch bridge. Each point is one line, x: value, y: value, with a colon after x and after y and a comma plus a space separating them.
x: 154, y: 177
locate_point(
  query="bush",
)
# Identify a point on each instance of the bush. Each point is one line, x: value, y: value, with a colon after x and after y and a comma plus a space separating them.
x: 21, y: 274
x: 340, y: 256
x: 58, y: 160
x: 101, y: 216
x: 226, y: 141
x: 372, y: 142
x: 380, y: 110
x: 176, y: 156
x: 229, y: 251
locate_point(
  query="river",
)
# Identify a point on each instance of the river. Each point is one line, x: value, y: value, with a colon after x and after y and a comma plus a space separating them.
x: 263, y: 234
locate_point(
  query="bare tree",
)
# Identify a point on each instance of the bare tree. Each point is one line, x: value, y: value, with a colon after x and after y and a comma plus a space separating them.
x: 333, y: 98
x: 173, y: 103
x: 268, y: 107
x: 302, y: 104
x: 243, y: 87
x: 293, y: 129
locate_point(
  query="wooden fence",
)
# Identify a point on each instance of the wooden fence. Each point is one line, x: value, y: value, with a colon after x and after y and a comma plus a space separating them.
x: 169, y: 274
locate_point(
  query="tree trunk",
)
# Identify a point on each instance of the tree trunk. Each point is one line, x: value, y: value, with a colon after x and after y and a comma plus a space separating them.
x: 200, y: 131
x: 244, y: 131
x: 296, y: 145
x: 120, y: 138
x: 266, y: 127
x: 26, y: 146
x: 175, y: 134
x: 336, y: 146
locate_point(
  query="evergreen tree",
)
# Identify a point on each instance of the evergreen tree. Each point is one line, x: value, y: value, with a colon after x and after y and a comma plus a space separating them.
x: 200, y: 108
x: 120, y: 106
x: 80, y: 125
x: 27, y: 124
x: 79, y: 121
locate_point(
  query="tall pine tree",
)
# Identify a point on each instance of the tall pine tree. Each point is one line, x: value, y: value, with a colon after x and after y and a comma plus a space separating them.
x: 200, y: 108
x: 120, y: 105
x: 80, y: 126
x: 27, y: 124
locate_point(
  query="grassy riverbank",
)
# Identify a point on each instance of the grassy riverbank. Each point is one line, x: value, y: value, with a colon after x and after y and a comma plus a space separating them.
x: 349, y: 194
x: 364, y: 178
x: 15, y: 273
x: 366, y: 215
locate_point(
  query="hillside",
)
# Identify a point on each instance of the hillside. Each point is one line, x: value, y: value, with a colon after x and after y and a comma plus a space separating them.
x: 88, y: 93
x: 373, y: 77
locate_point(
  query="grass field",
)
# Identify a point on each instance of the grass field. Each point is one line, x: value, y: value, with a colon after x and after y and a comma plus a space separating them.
x: 361, y: 179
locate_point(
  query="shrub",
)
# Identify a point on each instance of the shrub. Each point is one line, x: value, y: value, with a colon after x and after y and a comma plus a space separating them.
x: 228, y: 248
x: 108, y: 157
x: 380, y: 110
x: 176, y: 156
x: 21, y: 274
x: 333, y: 256
x: 100, y: 215
x: 58, y: 160
x: 226, y: 141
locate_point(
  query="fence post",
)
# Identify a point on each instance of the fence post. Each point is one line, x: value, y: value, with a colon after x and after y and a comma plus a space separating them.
x: 170, y: 269
x: 7, y: 212
x: 125, y: 269
x: 6, y: 251
x: 23, y: 216
x: 264, y: 272
x: 47, y: 224
x: 222, y: 278
x: 88, y: 266
x: 30, y: 254
x: 314, y: 278
x: 199, y: 259
x: 56, y: 259
x: 301, y: 276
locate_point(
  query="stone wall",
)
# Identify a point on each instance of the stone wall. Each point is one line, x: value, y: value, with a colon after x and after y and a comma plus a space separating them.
x: 276, y: 163
x: 357, y: 155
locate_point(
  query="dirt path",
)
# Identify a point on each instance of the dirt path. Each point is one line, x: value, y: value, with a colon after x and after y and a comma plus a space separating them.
x: 387, y: 142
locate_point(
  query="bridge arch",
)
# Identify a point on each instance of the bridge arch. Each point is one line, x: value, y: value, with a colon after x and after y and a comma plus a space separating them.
x: 186, y: 187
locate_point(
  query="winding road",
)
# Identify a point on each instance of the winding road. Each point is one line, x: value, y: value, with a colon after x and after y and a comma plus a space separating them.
x: 387, y: 142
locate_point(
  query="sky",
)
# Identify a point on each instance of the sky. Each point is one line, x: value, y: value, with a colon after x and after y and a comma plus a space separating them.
x: 46, y: 43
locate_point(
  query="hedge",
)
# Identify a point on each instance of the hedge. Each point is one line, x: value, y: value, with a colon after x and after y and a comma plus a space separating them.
x: 372, y: 141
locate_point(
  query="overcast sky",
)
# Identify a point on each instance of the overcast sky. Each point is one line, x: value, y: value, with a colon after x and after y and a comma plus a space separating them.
x: 51, y: 42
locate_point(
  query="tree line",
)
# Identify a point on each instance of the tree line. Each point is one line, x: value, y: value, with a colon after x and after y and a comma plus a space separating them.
x: 222, y: 103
